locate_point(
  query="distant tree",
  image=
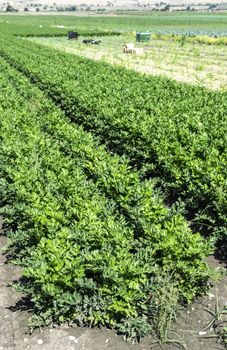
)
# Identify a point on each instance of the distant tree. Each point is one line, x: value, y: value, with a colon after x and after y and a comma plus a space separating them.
x: 71, y: 8
x: 37, y: 9
x: 10, y: 8
x: 26, y: 9
x: 60, y: 9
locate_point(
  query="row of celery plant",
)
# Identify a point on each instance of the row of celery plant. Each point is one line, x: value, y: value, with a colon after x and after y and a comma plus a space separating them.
x: 31, y: 30
x: 189, y: 38
x: 169, y: 130
x: 84, y: 258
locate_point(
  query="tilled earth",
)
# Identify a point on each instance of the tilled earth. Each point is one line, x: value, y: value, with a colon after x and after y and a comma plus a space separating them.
x: 189, y: 329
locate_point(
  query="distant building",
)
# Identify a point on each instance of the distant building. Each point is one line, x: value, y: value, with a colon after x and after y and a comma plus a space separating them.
x: 178, y: 8
x: 221, y: 8
x: 201, y: 8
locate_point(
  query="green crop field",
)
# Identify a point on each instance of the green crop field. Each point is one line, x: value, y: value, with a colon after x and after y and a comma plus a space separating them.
x: 113, y: 183
x: 30, y: 24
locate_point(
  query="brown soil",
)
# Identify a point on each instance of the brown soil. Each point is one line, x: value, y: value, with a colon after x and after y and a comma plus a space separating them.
x: 14, y: 322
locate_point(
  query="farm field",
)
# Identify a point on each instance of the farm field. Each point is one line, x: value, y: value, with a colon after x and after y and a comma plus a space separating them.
x: 202, y: 22
x: 113, y: 185
x: 203, y: 65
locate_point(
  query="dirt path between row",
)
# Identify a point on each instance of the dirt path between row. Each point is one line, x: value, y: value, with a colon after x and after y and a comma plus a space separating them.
x: 14, y: 322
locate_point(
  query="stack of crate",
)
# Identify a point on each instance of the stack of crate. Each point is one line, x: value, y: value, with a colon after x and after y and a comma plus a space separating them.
x: 143, y: 37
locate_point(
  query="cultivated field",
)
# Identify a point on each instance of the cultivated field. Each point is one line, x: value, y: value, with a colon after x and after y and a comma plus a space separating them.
x: 198, y: 64
x: 30, y: 23
x: 113, y: 183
